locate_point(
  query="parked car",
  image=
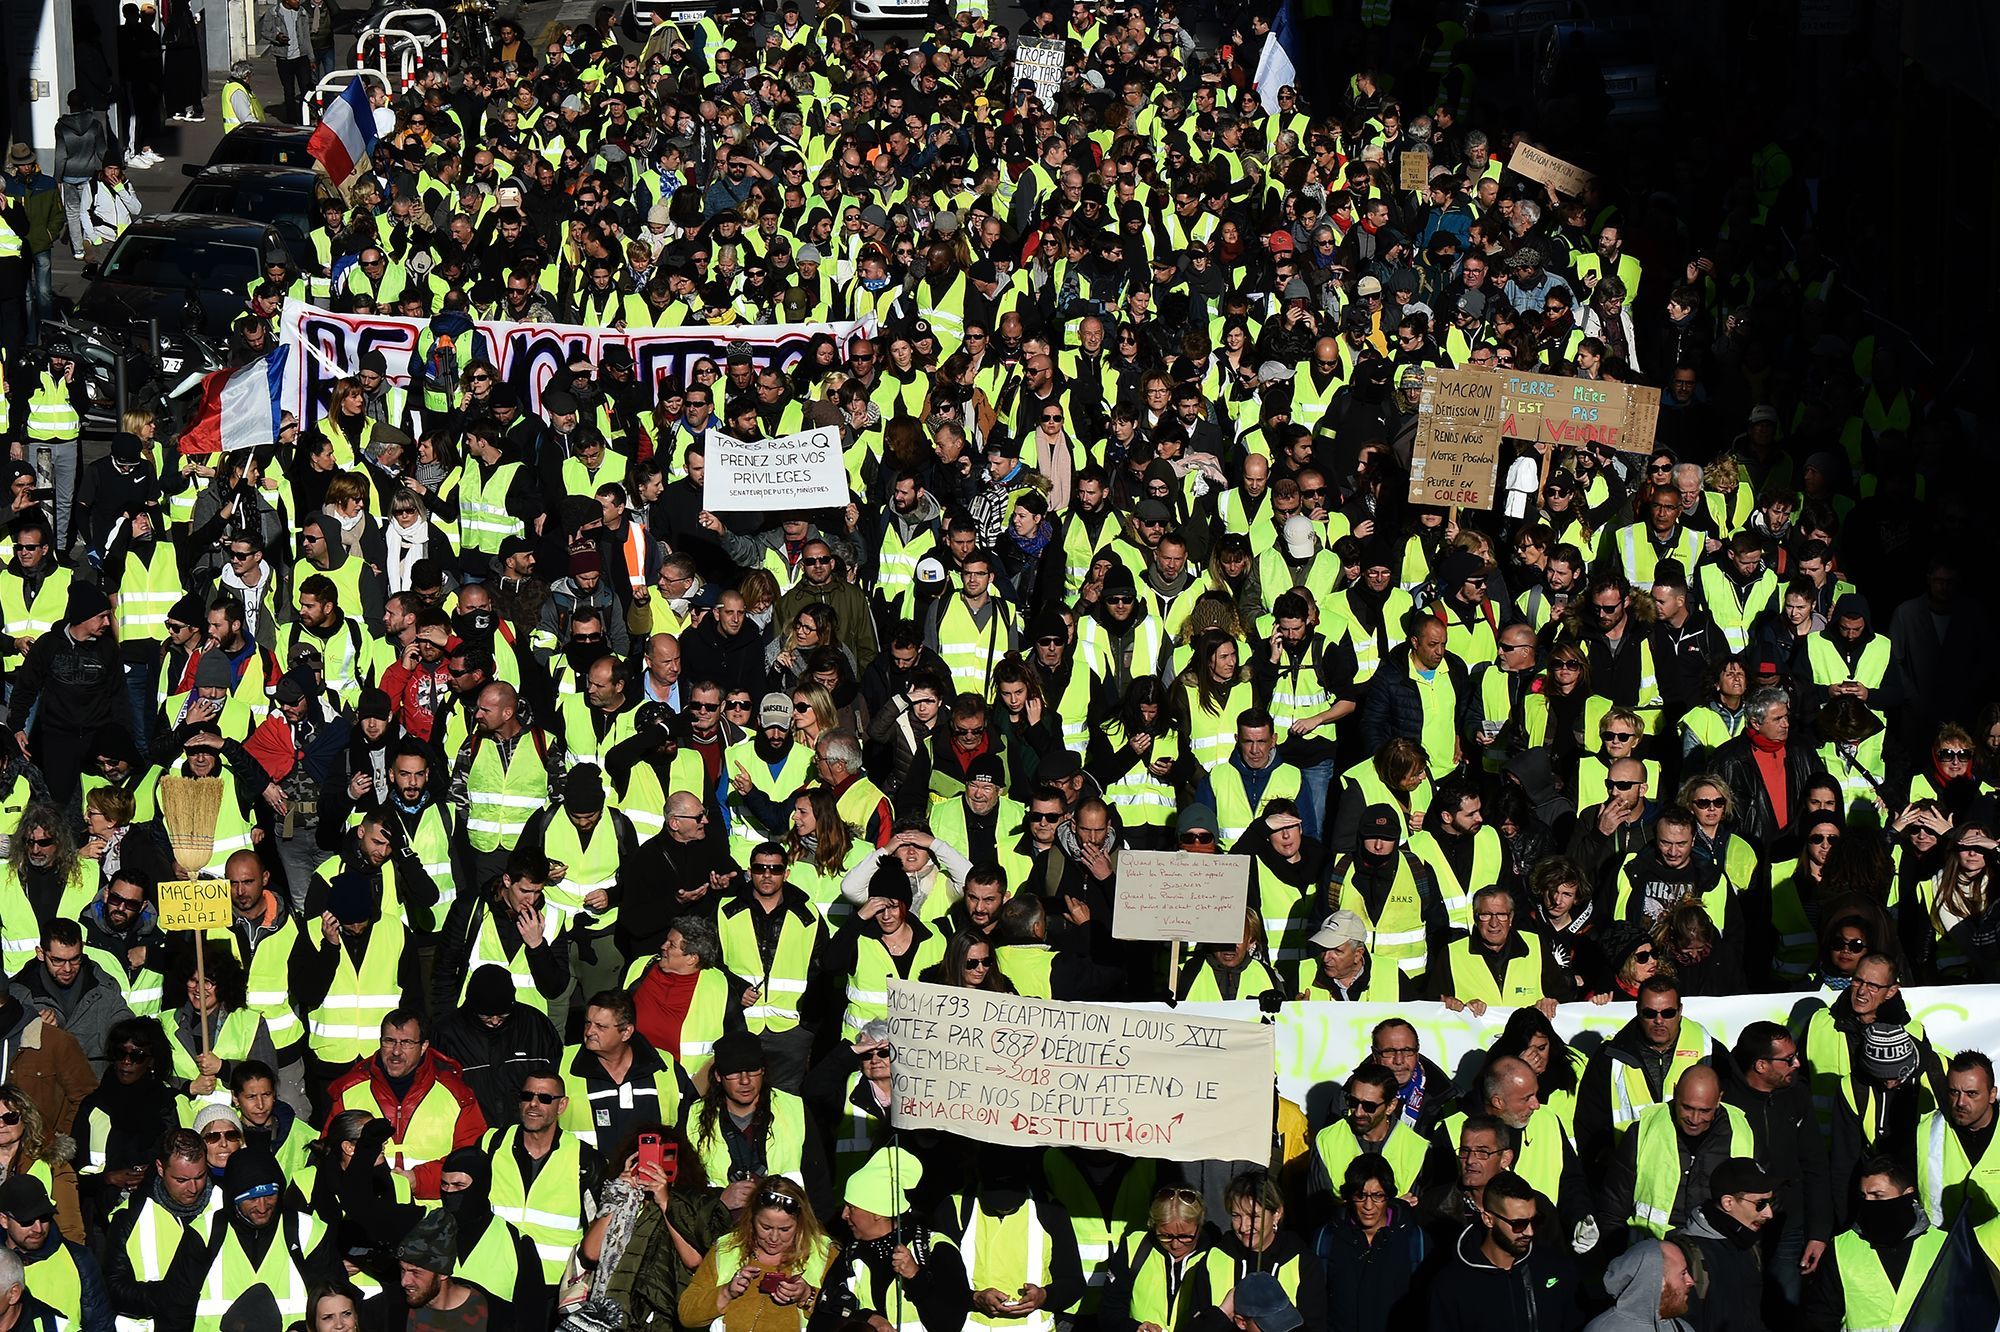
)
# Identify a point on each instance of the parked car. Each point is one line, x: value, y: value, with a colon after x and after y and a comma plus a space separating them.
x: 280, y: 196
x: 262, y: 144
x: 177, y: 268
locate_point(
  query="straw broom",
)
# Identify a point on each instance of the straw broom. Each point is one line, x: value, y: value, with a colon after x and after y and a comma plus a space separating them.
x: 189, y: 807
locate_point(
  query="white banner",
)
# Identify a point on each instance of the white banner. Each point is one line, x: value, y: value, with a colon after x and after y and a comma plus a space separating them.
x: 1168, y: 895
x: 1322, y: 1041
x: 527, y: 356
x: 1039, y: 60
x: 1179, y: 1086
x: 802, y: 471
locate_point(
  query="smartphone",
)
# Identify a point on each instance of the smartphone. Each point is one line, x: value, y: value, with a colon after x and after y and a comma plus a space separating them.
x: 651, y: 1151
x: 770, y: 1281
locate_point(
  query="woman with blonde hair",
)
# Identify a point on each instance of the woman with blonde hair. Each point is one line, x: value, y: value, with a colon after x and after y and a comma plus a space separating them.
x: 813, y: 713
x: 765, y: 1275
x: 1713, y: 805
x: 28, y: 1147
x: 1163, y: 1275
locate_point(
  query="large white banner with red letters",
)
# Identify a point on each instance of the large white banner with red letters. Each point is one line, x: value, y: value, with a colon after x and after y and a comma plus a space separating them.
x: 328, y: 346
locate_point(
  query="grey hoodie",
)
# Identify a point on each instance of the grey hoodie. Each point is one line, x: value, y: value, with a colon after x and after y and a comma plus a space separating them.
x: 1633, y: 1279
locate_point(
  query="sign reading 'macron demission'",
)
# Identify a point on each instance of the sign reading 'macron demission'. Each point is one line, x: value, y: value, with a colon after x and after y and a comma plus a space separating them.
x: 1037, y: 1072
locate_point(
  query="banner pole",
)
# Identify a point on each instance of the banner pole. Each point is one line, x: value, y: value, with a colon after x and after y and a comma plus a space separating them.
x: 1174, y: 969
x: 200, y: 989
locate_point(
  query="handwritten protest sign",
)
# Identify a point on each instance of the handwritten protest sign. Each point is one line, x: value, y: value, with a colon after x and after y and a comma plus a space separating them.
x: 1168, y: 895
x: 1455, y: 458
x: 1415, y: 171
x: 195, y: 904
x: 1557, y: 409
x: 1039, y: 60
x: 1038, y: 1072
x: 1548, y: 169
x: 802, y: 471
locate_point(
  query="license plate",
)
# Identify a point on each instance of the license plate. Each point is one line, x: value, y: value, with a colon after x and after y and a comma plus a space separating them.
x: 170, y: 364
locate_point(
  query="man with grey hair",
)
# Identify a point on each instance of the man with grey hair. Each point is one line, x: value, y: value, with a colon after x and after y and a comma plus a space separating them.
x: 863, y: 807
x: 20, y: 1311
x: 1766, y: 769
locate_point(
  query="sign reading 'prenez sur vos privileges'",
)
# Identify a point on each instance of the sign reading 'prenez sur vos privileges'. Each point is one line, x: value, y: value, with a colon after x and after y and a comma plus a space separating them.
x: 802, y: 471
x: 1038, y: 1072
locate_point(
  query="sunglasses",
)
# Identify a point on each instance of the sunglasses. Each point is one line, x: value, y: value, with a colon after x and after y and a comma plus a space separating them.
x: 1660, y: 1014
x: 1520, y: 1225
x: 1851, y: 946
x: 10, y: 1117
x: 129, y: 1056
x: 540, y: 1098
x: 223, y: 1135
x: 1365, y: 1107
x: 1823, y: 839
x: 1621, y: 736
x: 971, y: 962
x: 767, y: 869
x: 783, y: 1202
x: 1044, y: 816
x: 1709, y: 802
x: 1197, y: 837
x: 704, y: 707
x: 1643, y: 955
x: 1953, y: 755
x: 1621, y: 785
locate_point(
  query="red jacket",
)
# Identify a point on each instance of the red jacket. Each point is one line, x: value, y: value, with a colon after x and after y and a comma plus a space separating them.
x: 436, y: 1068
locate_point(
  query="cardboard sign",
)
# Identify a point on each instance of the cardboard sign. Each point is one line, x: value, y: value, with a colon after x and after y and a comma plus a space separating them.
x: 1038, y: 1072
x: 195, y: 904
x: 1537, y: 165
x: 1558, y: 409
x: 1171, y: 895
x: 1455, y: 458
x: 802, y: 471
x: 1039, y: 60
x: 1415, y: 168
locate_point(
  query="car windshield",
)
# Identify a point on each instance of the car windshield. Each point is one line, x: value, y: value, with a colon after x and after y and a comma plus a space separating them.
x: 182, y: 261
x: 284, y: 207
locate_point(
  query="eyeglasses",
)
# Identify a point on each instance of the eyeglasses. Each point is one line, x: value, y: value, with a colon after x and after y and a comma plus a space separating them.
x: 540, y: 1098
x: 1851, y: 946
x: 1571, y: 666
x: 124, y: 901
x: 1817, y: 839
x: 223, y: 1135
x: 968, y: 732
x: 1642, y: 955
x: 1051, y: 641
x: 1365, y: 1107
x: 1187, y: 1237
x: 767, y: 869
x: 1709, y: 802
x: 1518, y: 1224
x: 817, y: 559
x: 39, y: 841
x: 704, y: 707
x: 1953, y: 755
x: 1478, y: 1153
x: 131, y: 1054
x: 737, y: 703
x: 251, y: 554
x: 972, y: 962
x: 1621, y: 785
x: 782, y: 1201
x: 1607, y: 608
x: 1197, y: 837
x: 10, y: 1117
x: 1660, y: 1014
x: 799, y: 708
x: 1045, y: 816
x: 1623, y: 737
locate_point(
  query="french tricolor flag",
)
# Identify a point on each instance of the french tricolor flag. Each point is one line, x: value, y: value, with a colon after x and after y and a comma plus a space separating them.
x: 238, y: 408
x: 346, y: 132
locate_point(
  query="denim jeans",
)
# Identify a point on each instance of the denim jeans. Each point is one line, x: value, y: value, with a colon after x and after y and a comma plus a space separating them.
x: 76, y: 209
x: 139, y: 695
x: 63, y: 462
x: 1315, y: 785
x: 41, y: 291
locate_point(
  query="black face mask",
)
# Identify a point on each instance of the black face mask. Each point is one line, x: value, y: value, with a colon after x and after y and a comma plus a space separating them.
x: 1883, y: 1221
x: 1735, y: 1232
x: 478, y: 623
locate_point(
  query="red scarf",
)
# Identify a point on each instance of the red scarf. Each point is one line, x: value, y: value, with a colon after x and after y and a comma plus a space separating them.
x: 1770, y: 757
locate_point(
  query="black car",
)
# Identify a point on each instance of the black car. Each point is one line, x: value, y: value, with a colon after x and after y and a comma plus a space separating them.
x: 280, y: 196
x: 162, y: 263
x: 264, y: 145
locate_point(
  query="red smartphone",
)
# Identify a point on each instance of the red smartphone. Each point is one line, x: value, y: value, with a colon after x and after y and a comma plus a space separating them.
x: 651, y: 1151
x: 769, y: 1282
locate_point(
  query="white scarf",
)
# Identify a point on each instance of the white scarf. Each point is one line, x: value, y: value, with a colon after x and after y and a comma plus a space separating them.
x: 407, y: 545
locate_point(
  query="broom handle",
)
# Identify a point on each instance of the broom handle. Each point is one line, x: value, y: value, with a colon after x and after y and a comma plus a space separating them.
x: 201, y: 990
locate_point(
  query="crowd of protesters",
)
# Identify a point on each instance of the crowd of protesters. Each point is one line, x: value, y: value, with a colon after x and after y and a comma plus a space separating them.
x: 574, y: 832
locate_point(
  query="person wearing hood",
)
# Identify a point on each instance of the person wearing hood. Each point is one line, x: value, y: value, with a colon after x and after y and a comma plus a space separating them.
x: 890, y: 1260
x: 1762, y: 1081
x: 69, y: 684
x: 490, y: 1252
x: 1853, y: 751
x: 1502, y: 1274
x: 120, y: 1122
x: 432, y: 1290
x: 345, y: 543
x: 582, y: 588
x: 1652, y: 1285
x: 1873, y: 1271
x: 1848, y: 659
x: 173, y: 1205
x: 253, y: 1248
x: 1721, y: 1240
